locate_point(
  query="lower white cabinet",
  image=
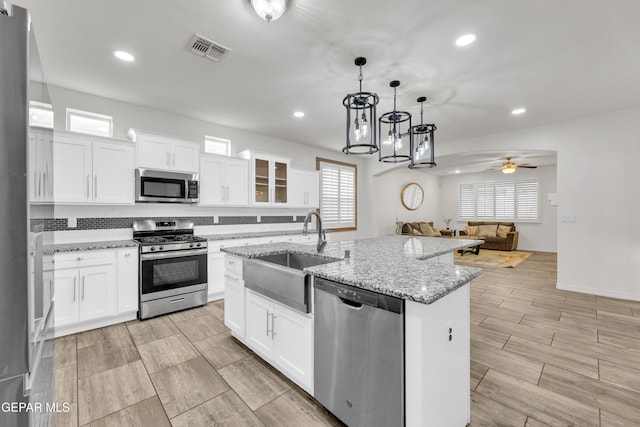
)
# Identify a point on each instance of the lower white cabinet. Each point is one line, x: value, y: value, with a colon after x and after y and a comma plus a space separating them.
x: 281, y: 336
x: 95, y: 288
x: 234, y: 303
x: 128, y: 280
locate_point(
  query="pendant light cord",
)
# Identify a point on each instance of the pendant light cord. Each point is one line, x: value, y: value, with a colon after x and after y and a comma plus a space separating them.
x: 360, y: 78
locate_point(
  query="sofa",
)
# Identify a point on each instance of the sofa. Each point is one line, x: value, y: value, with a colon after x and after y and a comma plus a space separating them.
x: 420, y: 229
x: 497, y: 235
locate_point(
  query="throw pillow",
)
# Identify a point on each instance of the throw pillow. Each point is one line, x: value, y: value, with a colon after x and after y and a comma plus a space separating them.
x: 487, y: 230
x: 503, y: 230
x: 472, y: 230
x: 436, y: 232
x: 416, y: 232
x: 426, y: 229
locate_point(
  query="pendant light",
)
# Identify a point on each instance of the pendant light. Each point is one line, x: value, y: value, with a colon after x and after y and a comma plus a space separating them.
x: 361, y: 118
x: 422, y: 149
x: 393, y: 148
x: 269, y: 10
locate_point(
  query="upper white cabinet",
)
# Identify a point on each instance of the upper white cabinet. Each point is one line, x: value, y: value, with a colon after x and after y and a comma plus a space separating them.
x: 165, y: 153
x: 40, y: 164
x: 224, y: 181
x: 269, y: 179
x: 89, y: 169
x: 304, y: 189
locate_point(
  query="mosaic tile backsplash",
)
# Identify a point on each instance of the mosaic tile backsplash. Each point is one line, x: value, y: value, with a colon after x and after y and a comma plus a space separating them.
x: 61, y: 224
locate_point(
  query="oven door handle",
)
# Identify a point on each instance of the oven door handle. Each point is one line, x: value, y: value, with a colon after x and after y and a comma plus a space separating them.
x: 173, y: 254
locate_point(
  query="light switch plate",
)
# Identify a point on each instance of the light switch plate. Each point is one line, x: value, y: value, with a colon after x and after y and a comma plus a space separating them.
x: 568, y: 219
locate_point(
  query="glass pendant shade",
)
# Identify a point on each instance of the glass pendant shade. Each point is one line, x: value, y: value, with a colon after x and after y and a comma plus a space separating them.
x: 423, y: 148
x: 361, y: 113
x: 396, y: 143
x: 269, y: 10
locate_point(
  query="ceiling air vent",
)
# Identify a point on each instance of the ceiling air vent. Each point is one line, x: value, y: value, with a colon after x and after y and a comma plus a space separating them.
x: 206, y: 48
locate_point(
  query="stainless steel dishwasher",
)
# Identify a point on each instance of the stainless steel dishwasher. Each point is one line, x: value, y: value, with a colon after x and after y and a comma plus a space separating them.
x: 359, y: 354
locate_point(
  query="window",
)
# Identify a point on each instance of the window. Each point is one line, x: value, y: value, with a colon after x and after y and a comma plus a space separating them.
x: 338, y: 194
x: 40, y: 114
x: 88, y: 122
x: 500, y: 200
x: 215, y: 145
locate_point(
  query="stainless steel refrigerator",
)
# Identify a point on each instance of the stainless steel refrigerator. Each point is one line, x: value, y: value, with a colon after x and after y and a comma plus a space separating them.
x: 26, y: 307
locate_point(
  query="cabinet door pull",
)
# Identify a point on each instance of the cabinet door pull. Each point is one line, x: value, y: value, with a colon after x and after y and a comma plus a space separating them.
x: 127, y: 255
x: 267, y: 323
x: 95, y: 187
x: 74, y: 289
x: 168, y: 159
x: 273, y: 325
x: 88, y: 186
x: 82, y: 290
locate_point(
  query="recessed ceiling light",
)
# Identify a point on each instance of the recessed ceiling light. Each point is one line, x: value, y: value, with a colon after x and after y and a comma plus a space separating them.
x: 518, y: 111
x: 455, y: 171
x: 466, y: 40
x: 125, y: 56
x: 298, y: 114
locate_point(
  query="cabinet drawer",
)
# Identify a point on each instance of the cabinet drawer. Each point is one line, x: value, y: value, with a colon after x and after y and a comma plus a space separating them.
x: 233, y: 265
x: 84, y: 259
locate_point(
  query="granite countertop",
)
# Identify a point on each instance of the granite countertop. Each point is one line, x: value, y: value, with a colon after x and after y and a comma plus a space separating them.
x: 92, y: 246
x: 393, y: 265
x: 250, y: 234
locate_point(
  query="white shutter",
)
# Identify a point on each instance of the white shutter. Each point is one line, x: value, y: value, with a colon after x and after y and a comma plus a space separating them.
x: 505, y: 199
x: 484, y: 200
x: 466, y: 202
x: 527, y: 198
x: 337, y: 195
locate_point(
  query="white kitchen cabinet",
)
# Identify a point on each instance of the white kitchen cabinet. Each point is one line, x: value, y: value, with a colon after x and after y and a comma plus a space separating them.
x: 92, y: 170
x: 113, y: 173
x: 281, y: 336
x: 165, y: 153
x: 72, y: 174
x: 269, y: 179
x: 94, y: 289
x: 215, y: 275
x: 304, y: 189
x: 224, y: 181
x: 234, y: 297
x: 66, y: 296
x: 40, y: 165
x: 127, y: 280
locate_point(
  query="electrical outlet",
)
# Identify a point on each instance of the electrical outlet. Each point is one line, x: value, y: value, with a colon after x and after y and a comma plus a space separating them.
x: 294, y: 218
x: 258, y: 218
x: 216, y: 219
x: 72, y: 222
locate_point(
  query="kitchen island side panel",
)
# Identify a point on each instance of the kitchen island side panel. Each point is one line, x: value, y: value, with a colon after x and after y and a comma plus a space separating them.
x: 437, y: 355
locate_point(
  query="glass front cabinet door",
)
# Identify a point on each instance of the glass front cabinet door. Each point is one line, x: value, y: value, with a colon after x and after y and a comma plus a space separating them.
x: 269, y: 176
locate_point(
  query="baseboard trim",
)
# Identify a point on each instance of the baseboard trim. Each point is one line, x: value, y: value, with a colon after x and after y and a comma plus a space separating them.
x: 94, y: 324
x: 599, y: 292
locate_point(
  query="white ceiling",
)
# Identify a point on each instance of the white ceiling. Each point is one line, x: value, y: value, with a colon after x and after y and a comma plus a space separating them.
x: 559, y: 59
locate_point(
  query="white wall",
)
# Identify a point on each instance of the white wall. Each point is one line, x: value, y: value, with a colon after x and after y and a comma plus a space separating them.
x: 541, y: 236
x: 388, y: 205
x: 127, y: 116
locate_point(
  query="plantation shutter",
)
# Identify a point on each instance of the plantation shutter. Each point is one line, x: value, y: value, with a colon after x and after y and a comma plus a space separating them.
x: 466, y: 202
x: 484, y: 200
x: 337, y: 195
x: 527, y: 205
x: 505, y: 199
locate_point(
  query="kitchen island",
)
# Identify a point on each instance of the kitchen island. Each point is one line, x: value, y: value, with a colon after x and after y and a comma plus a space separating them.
x: 418, y: 271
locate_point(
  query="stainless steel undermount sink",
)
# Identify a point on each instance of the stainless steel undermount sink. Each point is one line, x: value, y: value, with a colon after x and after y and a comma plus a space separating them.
x: 280, y: 277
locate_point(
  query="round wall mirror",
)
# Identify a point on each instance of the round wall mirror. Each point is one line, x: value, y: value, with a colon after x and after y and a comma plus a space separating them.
x: 412, y: 196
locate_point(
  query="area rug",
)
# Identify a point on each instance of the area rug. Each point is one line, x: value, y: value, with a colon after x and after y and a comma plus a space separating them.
x: 490, y: 258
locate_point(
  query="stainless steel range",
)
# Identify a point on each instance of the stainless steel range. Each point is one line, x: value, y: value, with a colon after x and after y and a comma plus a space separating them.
x: 173, y: 267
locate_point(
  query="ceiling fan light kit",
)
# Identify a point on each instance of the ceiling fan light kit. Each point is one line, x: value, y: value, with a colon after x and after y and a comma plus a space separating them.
x: 269, y: 10
x: 361, y: 118
x: 393, y: 149
x: 509, y: 167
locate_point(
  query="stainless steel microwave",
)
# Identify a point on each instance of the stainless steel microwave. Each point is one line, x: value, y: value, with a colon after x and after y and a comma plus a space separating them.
x: 166, y: 187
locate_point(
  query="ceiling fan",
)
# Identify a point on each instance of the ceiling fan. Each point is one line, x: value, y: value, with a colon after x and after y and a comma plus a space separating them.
x: 510, y: 167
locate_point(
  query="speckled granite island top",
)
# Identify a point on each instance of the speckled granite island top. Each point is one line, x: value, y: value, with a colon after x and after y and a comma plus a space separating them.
x: 393, y: 265
x: 92, y: 246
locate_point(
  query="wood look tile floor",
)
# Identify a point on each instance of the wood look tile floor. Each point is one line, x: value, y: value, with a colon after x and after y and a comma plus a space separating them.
x: 539, y: 357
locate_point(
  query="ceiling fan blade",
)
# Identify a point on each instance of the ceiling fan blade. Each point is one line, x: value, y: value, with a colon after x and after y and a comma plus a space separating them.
x: 526, y: 166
